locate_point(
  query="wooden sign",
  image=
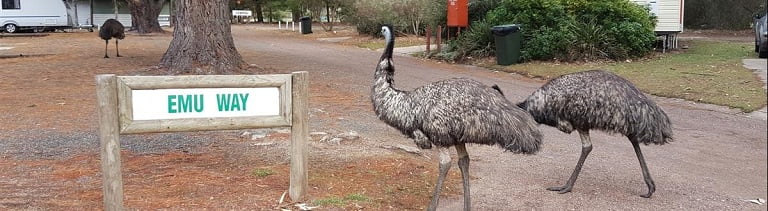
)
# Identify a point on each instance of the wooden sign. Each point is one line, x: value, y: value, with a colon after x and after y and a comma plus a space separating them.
x: 149, y: 104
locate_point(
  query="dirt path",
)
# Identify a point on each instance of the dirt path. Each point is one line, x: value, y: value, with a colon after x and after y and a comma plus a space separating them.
x: 716, y: 161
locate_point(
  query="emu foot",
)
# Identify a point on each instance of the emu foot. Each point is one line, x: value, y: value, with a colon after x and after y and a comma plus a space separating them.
x: 119, y: 55
x: 647, y: 195
x: 561, y: 189
x: 106, y: 57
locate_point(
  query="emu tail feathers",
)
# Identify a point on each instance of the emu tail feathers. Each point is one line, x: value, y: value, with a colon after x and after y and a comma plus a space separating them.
x: 523, y: 136
x: 652, y: 127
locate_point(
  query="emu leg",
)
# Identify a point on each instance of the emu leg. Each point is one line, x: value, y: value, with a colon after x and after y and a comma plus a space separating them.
x: 464, y: 166
x: 445, y: 165
x: 586, y: 147
x: 106, y: 44
x: 646, y: 174
x: 117, y: 48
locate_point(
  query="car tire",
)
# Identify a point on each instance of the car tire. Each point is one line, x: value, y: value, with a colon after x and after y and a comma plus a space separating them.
x: 763, y: 53
x: 10, y: 28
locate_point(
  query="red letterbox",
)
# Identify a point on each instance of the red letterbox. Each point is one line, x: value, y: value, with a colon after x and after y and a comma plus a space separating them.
x: 457, y: 13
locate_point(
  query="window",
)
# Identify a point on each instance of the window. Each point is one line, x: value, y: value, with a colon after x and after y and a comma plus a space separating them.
x: 11, y: 4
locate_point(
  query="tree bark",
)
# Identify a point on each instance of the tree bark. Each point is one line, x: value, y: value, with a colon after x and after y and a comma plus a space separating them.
x: 259, y: 12
x: 144, y: 15
x: 202, y: 40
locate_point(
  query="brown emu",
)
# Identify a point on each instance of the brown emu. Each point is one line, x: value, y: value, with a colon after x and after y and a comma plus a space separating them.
x: 111, y: 28
x: 448, y: 113
x: 599, y: 100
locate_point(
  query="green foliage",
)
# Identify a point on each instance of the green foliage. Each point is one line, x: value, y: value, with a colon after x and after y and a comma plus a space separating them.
x: 708, y: 72
x: 337, y: 201
x: 566, y: 29
x: 406, y: 16
x: 356, y: 197
x: 718, y: 14
x: 475, y: 41
x: 263, y: 172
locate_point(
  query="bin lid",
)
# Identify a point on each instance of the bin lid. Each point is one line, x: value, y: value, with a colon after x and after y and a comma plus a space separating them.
x: 502, y: 30
x: 305, y: 18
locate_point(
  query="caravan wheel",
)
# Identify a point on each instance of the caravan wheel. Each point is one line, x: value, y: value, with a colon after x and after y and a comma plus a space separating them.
x: 10, y: 28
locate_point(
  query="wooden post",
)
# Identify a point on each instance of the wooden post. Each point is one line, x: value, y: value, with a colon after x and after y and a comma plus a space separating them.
x: 92, y: 22
x: 429, y: 34
x: 439, y: 37
x: 112, y: 179
x: 299, y: 133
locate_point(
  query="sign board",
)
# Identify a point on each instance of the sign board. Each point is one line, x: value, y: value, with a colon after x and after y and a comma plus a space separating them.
x: 205, y: 103
x: 244, y: 13
x: 150, y: 104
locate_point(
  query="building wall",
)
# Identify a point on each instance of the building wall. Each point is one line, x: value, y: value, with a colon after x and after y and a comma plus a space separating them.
x: 669, y: 14
x: 104, y: 9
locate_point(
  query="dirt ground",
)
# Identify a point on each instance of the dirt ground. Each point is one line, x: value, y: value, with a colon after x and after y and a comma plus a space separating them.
x: 49, y: 147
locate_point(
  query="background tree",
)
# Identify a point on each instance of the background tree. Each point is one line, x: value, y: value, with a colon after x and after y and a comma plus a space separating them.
x: 202, y: 40
x: 144, y: 15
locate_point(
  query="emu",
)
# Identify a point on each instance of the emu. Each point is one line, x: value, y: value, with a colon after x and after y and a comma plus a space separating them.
x: 599, y: 100
x: 111, y: 28
x: 448, y: 113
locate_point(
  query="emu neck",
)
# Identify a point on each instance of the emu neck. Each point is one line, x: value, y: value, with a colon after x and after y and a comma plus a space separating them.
x: 390, y: 45
x: 391, y: 105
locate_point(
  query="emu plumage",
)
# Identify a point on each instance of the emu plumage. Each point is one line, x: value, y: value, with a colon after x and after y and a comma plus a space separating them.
x: 448, y: 113
x: 600, y: 100
x: 111, y: 29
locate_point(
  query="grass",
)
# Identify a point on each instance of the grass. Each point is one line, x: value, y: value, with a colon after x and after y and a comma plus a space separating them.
x: 340, y: 202
x: 708, y: 72
x: 374, y: 44
x: 263, y: 172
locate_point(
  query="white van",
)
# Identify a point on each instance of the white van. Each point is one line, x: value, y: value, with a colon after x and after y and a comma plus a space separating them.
x: 38, y: 15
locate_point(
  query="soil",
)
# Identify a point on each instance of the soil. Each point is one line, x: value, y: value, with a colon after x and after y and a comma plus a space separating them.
x: 49, y: 149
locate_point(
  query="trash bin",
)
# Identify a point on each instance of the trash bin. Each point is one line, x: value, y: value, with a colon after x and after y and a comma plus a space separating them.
x: 306, y: 25
x: 508, y: 41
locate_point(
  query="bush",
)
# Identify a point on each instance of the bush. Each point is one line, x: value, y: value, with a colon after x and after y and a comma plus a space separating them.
x: 566, y: 29
x: 406, y: 16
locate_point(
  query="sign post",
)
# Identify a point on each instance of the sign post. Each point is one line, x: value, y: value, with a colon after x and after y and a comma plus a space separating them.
x: 147, y: 104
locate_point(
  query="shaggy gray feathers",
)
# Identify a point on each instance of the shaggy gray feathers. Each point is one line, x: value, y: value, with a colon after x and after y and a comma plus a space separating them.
x: 601, y: 100
x: 112, y: 28
x: 453, y: 111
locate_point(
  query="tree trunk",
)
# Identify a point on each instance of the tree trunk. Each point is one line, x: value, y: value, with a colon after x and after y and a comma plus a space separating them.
x: 144, y: 15
x: 202, y: 40
x: 259, y: 13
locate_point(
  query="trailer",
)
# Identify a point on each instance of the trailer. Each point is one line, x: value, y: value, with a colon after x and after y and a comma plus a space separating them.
x: 37, y: 15
x: 669, y: 19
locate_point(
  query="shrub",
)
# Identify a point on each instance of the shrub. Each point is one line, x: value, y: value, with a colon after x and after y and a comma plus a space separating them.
x: 567, y: 29
x: 406, y: 16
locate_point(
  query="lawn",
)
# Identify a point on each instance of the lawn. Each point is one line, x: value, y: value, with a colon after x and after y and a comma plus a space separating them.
x: 707, y: 72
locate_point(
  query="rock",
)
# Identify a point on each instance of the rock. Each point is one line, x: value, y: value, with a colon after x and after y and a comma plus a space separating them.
x: 336, y: 141
x: 318, y: 133
x: 409, y: 149
x: 254, y: 134
x: 325, y: 138
x: 351, y: 135
x: 264, y: 144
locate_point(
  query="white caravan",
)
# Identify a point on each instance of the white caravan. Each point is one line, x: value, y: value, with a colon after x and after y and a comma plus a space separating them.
x: 38, y: 15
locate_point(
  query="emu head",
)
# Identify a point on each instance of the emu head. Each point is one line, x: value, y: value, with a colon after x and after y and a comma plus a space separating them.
x: 386, y: 31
